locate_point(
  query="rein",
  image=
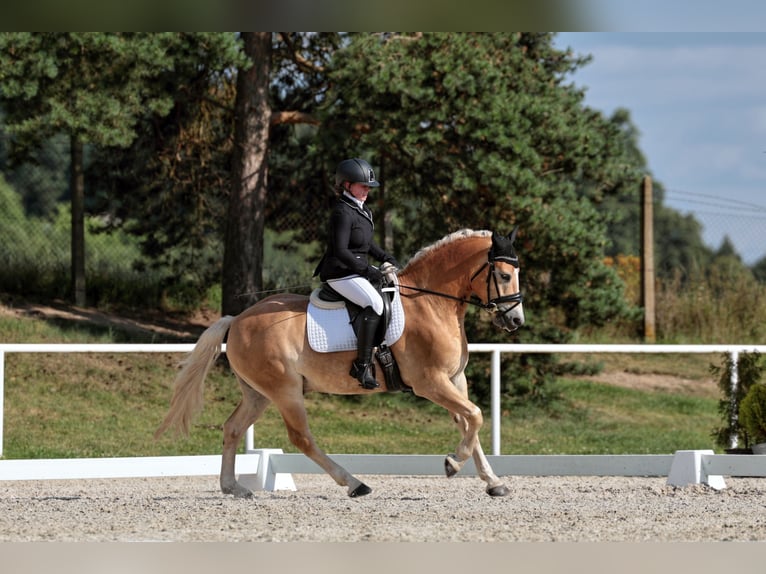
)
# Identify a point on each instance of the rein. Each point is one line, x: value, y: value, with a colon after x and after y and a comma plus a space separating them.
x: 492, y: 304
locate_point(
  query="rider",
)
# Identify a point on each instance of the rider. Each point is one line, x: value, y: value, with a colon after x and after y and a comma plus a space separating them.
x: 344, y: 266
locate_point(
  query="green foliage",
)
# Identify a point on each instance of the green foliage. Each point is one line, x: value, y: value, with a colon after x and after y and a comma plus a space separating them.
x: 752, y: 414
x: 481, y: 131
x: 35, y: 260
x: 115, y: 90
x: 759, y: 270
x: 289, y: 262
x: 722, y: 305
x: 466, y: 130
x: 47, y: 81
x: 41, y: 180
x: 34, y: 257
x: 678, y: 238
x: 169, y: 188
x: 749, y: 372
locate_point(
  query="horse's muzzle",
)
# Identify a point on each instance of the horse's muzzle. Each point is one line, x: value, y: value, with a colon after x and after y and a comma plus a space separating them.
x: 509, y: 318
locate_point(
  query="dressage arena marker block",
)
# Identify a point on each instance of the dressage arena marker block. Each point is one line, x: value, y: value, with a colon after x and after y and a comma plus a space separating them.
x: 266, y: 478
x: 690, y: 467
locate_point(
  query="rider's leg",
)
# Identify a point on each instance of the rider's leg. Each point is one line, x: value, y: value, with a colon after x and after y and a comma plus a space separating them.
x: 363, y: 369
x: 358, y: 290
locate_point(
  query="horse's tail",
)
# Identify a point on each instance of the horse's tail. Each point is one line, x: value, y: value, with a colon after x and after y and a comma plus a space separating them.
x: 188, y: 388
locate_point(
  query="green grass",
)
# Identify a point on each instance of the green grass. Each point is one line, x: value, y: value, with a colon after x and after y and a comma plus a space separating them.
x: 598, y: 418
x: 101, y: 405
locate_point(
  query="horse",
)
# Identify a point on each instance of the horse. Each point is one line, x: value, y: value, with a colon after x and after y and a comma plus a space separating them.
x: 268, y: 351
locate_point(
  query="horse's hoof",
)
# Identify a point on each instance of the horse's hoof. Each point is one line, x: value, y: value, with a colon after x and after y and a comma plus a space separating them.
x: 360, y: 490
x: 500, y: 490
x: 451, y: 466
x: 238, y: 491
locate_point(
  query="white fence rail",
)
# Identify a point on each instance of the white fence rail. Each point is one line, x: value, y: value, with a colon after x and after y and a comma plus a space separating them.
x: 495, y: 349
x: 702, y: 462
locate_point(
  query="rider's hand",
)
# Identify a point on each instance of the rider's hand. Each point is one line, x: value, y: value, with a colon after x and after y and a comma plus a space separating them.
x: 390, y: 261
x: 390, y: 270
x: 374, y: 275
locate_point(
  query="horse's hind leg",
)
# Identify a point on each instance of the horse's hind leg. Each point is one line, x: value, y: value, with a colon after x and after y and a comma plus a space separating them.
x: 247, y: 412
x: 296, y: 421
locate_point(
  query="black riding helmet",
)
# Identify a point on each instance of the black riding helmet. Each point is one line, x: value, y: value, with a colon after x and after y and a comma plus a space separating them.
x: 355, y: 170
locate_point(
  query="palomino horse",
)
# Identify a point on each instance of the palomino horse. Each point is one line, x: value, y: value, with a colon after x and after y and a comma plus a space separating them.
x: 268, y: 351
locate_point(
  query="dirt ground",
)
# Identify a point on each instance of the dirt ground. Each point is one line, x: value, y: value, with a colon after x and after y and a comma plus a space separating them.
x: 400, y: 509
x: 154, y: 326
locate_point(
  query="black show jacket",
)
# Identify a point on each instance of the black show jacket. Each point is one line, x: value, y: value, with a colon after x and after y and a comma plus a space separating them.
x: 349, y: 242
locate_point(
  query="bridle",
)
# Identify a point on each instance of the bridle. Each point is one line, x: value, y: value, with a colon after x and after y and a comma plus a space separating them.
x: 492, y: 305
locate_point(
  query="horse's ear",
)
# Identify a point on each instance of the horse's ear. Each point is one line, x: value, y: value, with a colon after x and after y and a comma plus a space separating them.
x: 512, y: 234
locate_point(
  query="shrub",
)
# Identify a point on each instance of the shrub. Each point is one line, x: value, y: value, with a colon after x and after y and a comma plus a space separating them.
x: 752, y: 415
x: 726, y: 304
x: 748, y: 375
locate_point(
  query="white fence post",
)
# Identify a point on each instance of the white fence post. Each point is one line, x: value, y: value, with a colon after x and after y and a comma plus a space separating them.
x: 250, y: 439
x: 495, y: 391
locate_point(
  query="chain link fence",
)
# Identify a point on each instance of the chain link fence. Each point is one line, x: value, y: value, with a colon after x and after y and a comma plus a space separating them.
x: 742, y: 223
x: 35, y: 234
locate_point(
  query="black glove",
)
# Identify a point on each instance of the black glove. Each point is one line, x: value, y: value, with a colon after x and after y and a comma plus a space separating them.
x: 374, y: 276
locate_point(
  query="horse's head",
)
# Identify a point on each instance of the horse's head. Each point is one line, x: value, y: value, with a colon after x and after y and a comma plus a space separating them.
x: 503, y: 293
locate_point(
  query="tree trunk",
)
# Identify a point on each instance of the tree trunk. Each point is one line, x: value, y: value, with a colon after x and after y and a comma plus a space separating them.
x: 77, y: 187
x: 243, y: 249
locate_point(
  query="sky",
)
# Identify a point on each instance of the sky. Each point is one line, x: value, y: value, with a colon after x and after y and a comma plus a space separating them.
x: 698, y: 100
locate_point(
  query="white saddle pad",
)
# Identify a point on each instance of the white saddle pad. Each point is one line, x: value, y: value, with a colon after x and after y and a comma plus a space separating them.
x: 329, y: 330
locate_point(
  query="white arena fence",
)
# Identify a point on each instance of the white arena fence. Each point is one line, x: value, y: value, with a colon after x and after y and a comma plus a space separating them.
x: 271, y: 469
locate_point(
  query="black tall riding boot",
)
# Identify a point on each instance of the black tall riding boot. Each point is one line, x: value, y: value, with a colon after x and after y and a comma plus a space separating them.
x: 363, y: 368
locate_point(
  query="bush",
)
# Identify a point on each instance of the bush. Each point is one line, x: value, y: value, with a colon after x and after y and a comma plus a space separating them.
x: 752, y: 415
x: 748, y: 375
x: 723, y: 305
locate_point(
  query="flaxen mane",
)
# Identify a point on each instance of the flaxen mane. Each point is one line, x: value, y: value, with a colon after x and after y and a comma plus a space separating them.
x: 461, y: 234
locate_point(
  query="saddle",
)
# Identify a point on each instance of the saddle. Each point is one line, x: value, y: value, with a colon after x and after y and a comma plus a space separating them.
x: 325, y: 298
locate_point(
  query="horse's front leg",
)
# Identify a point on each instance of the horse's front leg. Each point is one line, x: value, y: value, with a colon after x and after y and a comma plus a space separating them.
x: 442, y: 391
x: 470, y: 421
x: 495, y: 486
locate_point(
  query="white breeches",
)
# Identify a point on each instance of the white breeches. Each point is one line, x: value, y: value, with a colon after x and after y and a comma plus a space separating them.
x: 358, y: 290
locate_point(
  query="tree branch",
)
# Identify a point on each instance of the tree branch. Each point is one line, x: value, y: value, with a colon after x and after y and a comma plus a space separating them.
x: 293, y: 117
x: 302, y: 63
